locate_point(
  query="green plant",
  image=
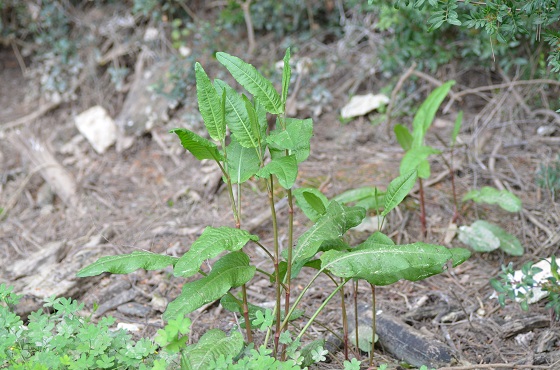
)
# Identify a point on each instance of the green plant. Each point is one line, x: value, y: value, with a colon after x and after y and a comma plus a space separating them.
x: 64, y: 340
x: 273, y: 156
x: 548, y: 176
x: 483, y: 236
x: 417, y: 152
x: 521, y: 287
x: 471, y: 29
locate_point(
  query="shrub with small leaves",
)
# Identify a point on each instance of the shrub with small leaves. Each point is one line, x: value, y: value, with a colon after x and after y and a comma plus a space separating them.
x: 65, y: 340
x: 521, y: 287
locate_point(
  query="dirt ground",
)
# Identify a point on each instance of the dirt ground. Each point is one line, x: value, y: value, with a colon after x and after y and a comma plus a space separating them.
x: 154, y: 196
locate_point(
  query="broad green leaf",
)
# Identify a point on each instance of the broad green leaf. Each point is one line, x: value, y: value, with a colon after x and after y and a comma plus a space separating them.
x: 237, y: 117
x: 210, y: 105
x: 332, y: 225
x: 354, y: 195
x: 243, y: 163
x: 213, y: 344
x: 479, y: 237
x: 427, y: 112
x: 312, y: 202
x: 383, y: 264
x: 416, y: 158
x: 252, y: 81
x: 230, y: 271
x: 286, y: 76
x: 200, y: 147
x: 127, y: 263
x: 284, y: 168
x: 212, y: 242
x: 457, y: 128
x: 398, y: 189
x: 367, y: 197
x: 379, y: 238
x: 375, y: 202
x: 295, y: 138
x: 403, y: 137
x: 505, y: 199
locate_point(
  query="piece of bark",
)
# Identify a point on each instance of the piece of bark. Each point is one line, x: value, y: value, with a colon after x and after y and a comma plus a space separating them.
x: 122, y: 298
x: 546, y: 341
x: 402, y: 341
x: 59, y: 179
x: 514, y: 327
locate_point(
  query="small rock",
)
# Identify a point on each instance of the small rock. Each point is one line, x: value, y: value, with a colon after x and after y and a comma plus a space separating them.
x: 135, y: 309
x: 360, y: 105
x: 97, y: 127
x: 45, y: 196
x: 546, y: 130
x: 128, y: 327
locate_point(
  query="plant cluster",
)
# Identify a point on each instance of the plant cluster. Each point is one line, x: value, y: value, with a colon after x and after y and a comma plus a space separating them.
x: 483, y: 236
x: 434, y: 32
x: 244, y: 147
x: 521, y: 288
x: 548, y: 176
x: 59, y: 338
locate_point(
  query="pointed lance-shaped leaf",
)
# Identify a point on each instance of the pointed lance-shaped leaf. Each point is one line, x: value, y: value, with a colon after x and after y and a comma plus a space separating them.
x: 252, y: 81
x: 286, y: 76
x: 403, y: 137
x: 230, y: 271
x: 127, y: 263
x: 237, y: 117
x: 210, y: 105
x: 212, y: 242
x: 200, y: 147
x: 457, y: 128
x: 427, y: 112
x: 398, y: 189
